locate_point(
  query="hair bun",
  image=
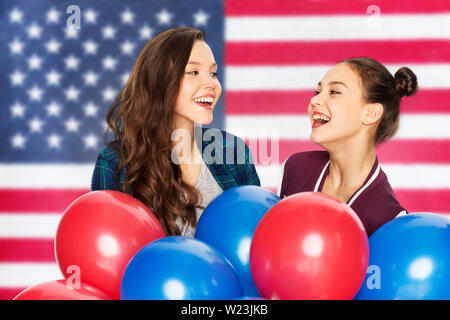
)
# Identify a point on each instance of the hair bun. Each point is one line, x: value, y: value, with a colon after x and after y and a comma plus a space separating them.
x: 405, y: 82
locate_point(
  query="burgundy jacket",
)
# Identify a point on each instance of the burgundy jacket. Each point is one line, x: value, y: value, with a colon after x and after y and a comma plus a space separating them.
x: 374, y: 202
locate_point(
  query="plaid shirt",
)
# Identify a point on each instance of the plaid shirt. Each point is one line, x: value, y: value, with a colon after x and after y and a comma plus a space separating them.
x: 228, y: 158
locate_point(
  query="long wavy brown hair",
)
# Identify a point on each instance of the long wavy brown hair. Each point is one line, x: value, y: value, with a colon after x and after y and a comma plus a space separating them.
x: 141, y: 118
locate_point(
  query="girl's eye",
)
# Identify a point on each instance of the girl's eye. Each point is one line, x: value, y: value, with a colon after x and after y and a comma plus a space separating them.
x: 317, y: 92
x: 214, y: 74
x: 192, y: 72
x: 334, y: 92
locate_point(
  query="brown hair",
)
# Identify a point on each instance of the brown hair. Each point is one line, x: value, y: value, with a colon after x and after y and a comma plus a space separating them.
x: 379, y: 86
x: 141, y: 118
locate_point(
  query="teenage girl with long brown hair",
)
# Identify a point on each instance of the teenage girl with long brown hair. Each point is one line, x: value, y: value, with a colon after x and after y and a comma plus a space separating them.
x: 173, y: 87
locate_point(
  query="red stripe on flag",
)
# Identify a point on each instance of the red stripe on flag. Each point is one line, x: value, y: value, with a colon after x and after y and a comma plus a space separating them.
x: 9, y: 293
x: 330, y: 7
x: 435, y: 201
x: 399, y: 151
x: 432, y: 201
x: 27, y: 250
x: 37, y: 200
x: 331, y: 52
x: 296, y: 102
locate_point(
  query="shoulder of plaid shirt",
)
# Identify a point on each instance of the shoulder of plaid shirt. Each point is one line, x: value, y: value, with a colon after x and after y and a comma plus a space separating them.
x: 227, y: 175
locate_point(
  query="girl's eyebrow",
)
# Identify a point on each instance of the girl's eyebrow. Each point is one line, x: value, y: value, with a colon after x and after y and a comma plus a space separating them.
x: 333, y: 82
x: 198, y: 63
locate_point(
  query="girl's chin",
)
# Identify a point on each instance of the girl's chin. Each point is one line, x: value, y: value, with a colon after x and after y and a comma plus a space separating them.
x: 204, y: 120
x: 317, y: 139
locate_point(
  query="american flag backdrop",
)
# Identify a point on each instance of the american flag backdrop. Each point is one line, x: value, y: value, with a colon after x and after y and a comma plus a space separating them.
x: 56, y: 85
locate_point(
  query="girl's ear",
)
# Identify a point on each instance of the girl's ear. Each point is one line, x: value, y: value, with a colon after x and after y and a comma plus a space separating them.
x: 373, y: 113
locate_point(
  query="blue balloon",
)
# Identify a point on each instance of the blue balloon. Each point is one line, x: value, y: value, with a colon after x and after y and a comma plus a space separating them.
x: 409, y: 259
x: 228, y: 224
x: 179, y: 268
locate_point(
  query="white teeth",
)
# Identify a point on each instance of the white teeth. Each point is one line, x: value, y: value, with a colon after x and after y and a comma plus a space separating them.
x: 204, y: 99
x: 320, y: 117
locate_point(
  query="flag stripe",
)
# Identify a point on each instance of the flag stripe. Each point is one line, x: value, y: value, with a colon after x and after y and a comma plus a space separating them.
x: 424, y: 200
x: 37, y: 200
x: 417, y: 126
x: 16, y: 275
x: 295, y: 77
x: 431, y: 151
x: 296, y: 102
x: 27, y: 250
x: 37, y: 225
x: 320, y: 52
x: 338, y: 27
x: 401, y: 176
x: 10, y: 293
x: 51, y: 176
x: 329, y: 7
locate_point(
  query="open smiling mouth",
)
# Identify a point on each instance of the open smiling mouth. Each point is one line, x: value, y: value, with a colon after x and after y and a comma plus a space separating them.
x: 319, y: 119
x: 204, y: 102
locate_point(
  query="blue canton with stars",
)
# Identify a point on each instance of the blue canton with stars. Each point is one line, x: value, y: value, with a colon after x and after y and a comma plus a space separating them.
x: 57, y: 83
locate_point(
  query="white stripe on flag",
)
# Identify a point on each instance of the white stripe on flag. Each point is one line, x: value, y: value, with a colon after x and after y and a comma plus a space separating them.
x: 412, y: 126
x: 30, y: 225
x: 24, y: 275
x: 338, y: 27
x: 400, y: 176
x: 46, y: 176
x: 295, y: 77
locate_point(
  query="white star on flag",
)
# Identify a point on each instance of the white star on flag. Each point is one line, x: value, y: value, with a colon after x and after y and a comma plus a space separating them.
x: 72, y: 62
x: 54, y: 141
x: 90, y: 141
x: 34, y: 62
x: 90, y: 16
x: 35, y: 93
x: 90, y: 47
x: 72, y: 93
x: 17, y: 110
x: 53, y: 16
x: 34, y: 31
x: 72, y: 125
x: 109, y: 32
x: 201, y: 18
x: 18, y: 141
x: 16, y: 46
x: 164, y: 17
x: 15, y: 16
x: 36, y: 125
x: 127, y: 17
x: 90, y: 78
x: 53, y: 78
x: 17, y: 78
x: 53, y: 46
x: 53, y: 109
x: 90, y: 109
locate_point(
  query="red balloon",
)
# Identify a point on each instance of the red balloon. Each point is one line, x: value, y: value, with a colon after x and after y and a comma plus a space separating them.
x: 61, y: 290
x: 309, y: 246
x: 99, y: 233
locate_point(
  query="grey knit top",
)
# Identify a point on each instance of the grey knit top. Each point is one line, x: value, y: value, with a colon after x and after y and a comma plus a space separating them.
x: 208, y: 189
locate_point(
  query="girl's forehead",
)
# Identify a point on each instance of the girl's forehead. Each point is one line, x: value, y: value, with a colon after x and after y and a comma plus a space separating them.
x: 341, y: 73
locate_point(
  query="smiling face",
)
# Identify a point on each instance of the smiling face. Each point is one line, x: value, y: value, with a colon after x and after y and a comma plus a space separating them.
x: 199, y: 88
x: 338, y: 111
